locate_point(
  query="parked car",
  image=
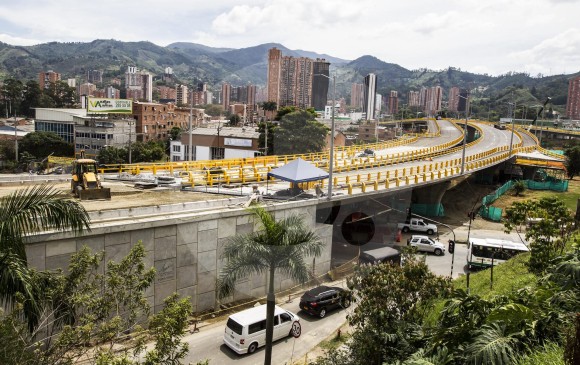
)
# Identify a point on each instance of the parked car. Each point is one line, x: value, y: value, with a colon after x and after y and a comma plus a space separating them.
x: 379, y: 255
x: 418, y: 225
x: 426, y: 244
x: 367, y: 153
x: 320, y: 300
x: 246, y: 330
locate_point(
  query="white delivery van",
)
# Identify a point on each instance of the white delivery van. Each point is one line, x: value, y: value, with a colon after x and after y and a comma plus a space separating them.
x: 246, y: 330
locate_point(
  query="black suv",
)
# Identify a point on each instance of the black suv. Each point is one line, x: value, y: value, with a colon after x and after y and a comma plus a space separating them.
x: 320, y: 300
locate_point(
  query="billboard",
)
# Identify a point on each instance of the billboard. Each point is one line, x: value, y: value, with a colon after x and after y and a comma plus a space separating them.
x: 102, y: 105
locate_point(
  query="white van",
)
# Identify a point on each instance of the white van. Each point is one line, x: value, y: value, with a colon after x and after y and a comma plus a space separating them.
x: 246, y: 330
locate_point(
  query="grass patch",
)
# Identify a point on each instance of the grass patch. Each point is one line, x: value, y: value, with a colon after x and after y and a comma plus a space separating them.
x: 550, y: 354
x: 333, y: 342
x: 570, y: 197
x: 508, y: 278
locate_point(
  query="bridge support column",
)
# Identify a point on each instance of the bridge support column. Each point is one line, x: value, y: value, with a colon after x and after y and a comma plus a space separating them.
x: 427, y: 200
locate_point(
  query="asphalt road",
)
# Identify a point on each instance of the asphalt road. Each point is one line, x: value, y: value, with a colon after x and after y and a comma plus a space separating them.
x: 208, y: 342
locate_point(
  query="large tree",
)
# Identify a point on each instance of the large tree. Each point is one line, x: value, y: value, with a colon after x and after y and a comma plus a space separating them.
x: 11, y: 93
x: 278, y: 246
x: 573, y: 161
x: 22, y: 213
x: 89, y: 315
x: 298, y: 132
x: 392, y: 301
x: 42, y: 144
x: 549, y: 235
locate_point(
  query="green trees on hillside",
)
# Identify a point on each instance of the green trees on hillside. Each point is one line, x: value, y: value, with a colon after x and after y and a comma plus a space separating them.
x: 396, y: 322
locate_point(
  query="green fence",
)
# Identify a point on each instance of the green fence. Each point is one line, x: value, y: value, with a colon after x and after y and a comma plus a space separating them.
x: 494, y: 213
x: 548, y: 184
x: 429, y: 210
x: 491, y: 213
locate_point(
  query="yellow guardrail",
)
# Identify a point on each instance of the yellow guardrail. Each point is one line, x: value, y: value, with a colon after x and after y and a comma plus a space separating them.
x: 259, y: 173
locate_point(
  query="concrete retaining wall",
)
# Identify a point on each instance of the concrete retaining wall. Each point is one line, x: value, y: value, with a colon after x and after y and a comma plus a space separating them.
x: 184, y: 248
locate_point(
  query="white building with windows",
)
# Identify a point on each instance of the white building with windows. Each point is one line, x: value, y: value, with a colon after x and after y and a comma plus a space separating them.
x: 216, y: 143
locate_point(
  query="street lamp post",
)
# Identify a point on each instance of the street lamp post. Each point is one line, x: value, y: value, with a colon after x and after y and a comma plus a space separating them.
x: 130, y: 134
x: 513, y: 127
x: 190, y: 127
x: 331, y: 158
x: 464, y: 134
x: 15, y: 138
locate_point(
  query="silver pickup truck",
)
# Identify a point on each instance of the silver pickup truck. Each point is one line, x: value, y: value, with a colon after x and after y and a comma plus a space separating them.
x: 417, y: 225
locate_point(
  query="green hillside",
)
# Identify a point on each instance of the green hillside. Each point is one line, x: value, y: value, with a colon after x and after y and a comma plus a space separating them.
x: 193, y: 62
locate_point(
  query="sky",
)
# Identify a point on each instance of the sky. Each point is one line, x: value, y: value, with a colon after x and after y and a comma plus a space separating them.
x: 481, y: 36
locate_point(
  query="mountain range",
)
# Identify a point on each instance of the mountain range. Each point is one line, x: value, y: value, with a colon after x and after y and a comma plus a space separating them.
x: 193, y: 62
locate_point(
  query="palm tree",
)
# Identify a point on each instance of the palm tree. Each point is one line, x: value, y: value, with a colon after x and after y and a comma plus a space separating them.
x: 268, y: 106
x: 279, y: 246
x: 22, y: 213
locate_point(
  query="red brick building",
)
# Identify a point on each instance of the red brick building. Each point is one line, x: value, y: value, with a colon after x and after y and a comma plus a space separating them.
x: 154, y: 121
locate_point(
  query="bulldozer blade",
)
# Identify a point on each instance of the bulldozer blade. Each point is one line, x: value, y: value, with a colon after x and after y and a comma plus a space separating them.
x: 95, y: 194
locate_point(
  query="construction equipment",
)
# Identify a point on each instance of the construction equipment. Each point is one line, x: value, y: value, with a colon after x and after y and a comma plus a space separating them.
x: 85, y: 182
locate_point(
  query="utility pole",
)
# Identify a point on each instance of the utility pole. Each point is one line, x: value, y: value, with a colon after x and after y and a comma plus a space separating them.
x: 190, y: 150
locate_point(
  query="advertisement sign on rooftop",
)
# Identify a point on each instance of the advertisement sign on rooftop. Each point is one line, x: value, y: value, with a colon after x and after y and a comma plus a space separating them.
x: 101, y: 105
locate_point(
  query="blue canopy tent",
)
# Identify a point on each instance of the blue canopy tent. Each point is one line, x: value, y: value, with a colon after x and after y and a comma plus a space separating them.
x: 298, y: 171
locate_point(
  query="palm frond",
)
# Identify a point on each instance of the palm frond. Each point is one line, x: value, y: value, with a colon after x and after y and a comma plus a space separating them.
x: 36, y: 209
x: 421, y: 357
x: 492, y: 345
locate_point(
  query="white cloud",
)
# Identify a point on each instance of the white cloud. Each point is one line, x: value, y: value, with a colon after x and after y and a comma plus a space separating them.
x: 494, y: 36
x: 6, y: 38
x: 552, y: 55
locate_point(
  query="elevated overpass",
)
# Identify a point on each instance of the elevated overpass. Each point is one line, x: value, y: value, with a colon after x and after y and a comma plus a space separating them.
x: 184, y: 240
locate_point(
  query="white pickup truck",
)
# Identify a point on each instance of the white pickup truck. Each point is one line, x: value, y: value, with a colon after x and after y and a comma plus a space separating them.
x: 417, y: 225
x: 426, y: 244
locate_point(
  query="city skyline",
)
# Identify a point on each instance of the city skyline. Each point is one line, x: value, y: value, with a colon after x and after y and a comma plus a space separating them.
x: 494, y: 37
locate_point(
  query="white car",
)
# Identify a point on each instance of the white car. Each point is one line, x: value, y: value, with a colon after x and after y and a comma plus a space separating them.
x: 426, y: 244
x: 246, y: 330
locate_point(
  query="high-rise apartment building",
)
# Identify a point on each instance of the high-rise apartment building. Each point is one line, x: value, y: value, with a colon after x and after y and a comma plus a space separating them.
x: 370, y: 95
x: 181, y: 94
x: 167, y: 94
x: 274, y: 75
x: 167, y: 74
x: 290, y: 80
x: 94, y: 76
x: 320, y: 83
x: 226, y: 94
x: 453, y: 99
x: 112, y: 93
x: 573, y: 104
x: 47, y: 78
x: 139, y: 85
x: 87, y: 89
x: 250, y: 102
x: 413, y: 98
x: 463, y: 104
x: 393, y: 102
x: 431, y: 99
x: 356, y: 95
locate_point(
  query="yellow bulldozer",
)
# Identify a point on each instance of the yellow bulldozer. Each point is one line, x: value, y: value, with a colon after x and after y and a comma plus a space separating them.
x: 85, y: 182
